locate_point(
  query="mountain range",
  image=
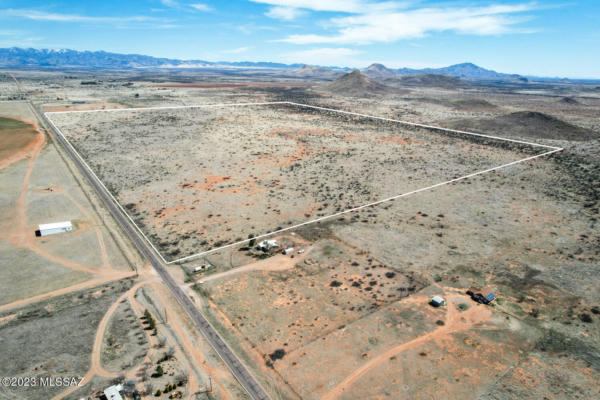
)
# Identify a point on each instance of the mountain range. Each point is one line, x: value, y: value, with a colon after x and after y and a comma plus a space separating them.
x: 16, y: 57
x: 65, y: 58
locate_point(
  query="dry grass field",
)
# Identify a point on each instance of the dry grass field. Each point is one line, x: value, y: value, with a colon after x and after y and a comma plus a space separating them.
x: 196, y: 179
x: 349, y: 317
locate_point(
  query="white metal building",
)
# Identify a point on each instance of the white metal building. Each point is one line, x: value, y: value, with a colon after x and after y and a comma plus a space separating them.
x: 268, y: 244
x: 437, y: 301
x: 56, y: 227
x: 202, y: 267
x: 112, y: 392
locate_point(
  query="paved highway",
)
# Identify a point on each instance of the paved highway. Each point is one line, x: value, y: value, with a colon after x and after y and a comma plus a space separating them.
x: 238, y: 369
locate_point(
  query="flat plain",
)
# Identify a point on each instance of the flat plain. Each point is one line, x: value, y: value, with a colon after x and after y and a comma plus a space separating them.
x: 349, y: 316
x: 197, y: 179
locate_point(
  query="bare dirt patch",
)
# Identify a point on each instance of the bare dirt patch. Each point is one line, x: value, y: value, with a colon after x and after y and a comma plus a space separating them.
x: 17, y: 138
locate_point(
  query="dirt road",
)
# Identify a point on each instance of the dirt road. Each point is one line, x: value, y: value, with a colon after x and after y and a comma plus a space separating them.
x: 279, y: 262
x: 455, y: 321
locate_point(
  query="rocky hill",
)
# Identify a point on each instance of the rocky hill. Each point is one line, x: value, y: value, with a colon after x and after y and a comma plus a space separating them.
x: 429, y: 80
x: 357, y: 84
x: 463, y: 70
x: 378, y: 71
x: 309, y: 71
x: 526, y: 124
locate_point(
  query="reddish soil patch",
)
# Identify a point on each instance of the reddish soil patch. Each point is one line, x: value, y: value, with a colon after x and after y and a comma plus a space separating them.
x: 395, y: 140
x: 211, y: 181
x: 7, y: 318
x: 85, y: 106
x: 17, y: 142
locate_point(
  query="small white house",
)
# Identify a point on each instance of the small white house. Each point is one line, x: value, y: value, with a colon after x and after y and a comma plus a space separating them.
x: 202, y: 267
x: 56, y: 227
x: 289, y: 250
x: 268, y: 244
x: 437, y: 301
x: 112, y: 392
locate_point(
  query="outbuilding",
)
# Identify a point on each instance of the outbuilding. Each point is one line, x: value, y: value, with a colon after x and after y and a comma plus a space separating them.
x: 437, y: 301
x: 113, y: 392
x: 268, y: 244
x: 56, y: 227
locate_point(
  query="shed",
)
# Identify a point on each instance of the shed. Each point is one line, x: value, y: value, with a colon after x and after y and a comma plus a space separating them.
x: 437, y: 301
x: 202, y: 267
x: 112, y: 392
x: 268, y: 244
x: 56, y: 227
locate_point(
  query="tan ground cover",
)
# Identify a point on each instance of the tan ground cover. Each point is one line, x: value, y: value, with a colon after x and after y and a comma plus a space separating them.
x: 199, y: 178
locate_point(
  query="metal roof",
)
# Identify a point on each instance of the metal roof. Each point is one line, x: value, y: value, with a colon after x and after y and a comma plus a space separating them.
x: 56, y: 225
x: 112, y: 392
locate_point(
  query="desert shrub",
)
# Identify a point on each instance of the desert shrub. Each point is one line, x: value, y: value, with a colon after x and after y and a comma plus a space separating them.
x: 587, y: 318
x: 277, y: 354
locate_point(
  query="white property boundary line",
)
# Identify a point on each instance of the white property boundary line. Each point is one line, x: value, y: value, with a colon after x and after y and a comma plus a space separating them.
x: 552, y: 149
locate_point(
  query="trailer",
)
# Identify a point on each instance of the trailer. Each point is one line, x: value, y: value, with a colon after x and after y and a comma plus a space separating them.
x: 55, y: 227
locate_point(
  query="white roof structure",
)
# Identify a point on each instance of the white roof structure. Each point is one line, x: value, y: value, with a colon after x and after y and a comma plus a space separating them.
x: 56, y: 225
x: 268, y: 244
x: 437, y: 300
x: 112, y: 392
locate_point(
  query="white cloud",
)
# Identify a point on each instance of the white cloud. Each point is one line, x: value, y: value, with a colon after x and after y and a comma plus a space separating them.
x: 201, y: 7
x: 373, y: 27
x: 10, y: 32
x: 170, y: 3
x: 237, y: 51
x: 44, y: 16
x: 284, y: 13
x: 349, y: 6
x: 328, y: 51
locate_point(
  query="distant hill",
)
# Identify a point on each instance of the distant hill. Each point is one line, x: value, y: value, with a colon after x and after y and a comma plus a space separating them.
x: 309, y: 71
x: 357, y: 84
x: 378, y: 71
x: 463, y: 71
x: 468, y: 71
x: 428, y: 80
x: 569, y: 101
x: 529, y: 124
x: 18, y: 57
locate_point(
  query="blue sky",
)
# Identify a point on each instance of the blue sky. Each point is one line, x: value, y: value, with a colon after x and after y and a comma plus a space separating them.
x: 549, y: 38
